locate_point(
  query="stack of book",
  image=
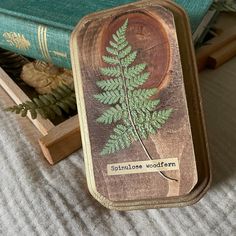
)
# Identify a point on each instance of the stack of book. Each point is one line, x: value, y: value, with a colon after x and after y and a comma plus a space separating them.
x: 41, y: 29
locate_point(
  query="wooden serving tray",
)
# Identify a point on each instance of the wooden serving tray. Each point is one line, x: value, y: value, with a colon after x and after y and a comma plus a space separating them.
x: 141, y: 119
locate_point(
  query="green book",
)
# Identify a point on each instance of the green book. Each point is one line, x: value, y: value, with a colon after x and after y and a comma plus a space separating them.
x: 41, y: 29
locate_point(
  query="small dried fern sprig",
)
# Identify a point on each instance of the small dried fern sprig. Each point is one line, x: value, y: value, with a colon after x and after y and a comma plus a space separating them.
x: 12, y: 63
x: 132, y: 105
x: 49, y: 105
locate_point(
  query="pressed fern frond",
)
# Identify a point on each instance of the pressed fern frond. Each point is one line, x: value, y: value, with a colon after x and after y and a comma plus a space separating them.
x: 144, y: 105
x: 129, y: 59
x: 134, y: 71
x: 120, y: 139
x: 12, y: 63
x: 162, y: 116
x: 111, y: 84
x: 150, y: 123
x: 135, y: 82
x: 113, y: 114
x: 111, y: 71
x: 48, y: 105
x: 123, y: 53
x: 110, y: 97
x: 141, y: 94
x: 110, y: 60
x: 133, y: 106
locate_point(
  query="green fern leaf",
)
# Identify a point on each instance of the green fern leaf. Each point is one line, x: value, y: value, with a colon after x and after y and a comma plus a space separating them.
x: 111, y: 84
x: 115, y: 37
x: 46, y: 102
x: 150, y: 129
x: 152, y: 122
x: 125, y: 52
x: 57, y: 95
x: 30, y: 104
x: 64, y: 107
x: 49, y: 112
x: 121, y: 139
x: 134, y: 70
x: 162, y: 116
x: 38, y: 102
x: 122, y: 30
x: 42, y: 113
x: 60, y: 91
x: 113, y: 51
x: 111, y: 71
x: 129, y: 59
x: 15, y: 109
x: 110, y: 97
x: 70, y: 103
x: 110, y: 60
x: 12, y: 63
x: 57, y: 110
x: 24, y: 112
x: 114, y: 47
x: 113, y: 114
x: 48, y: 105
x: 119, y: 39
x: 144, y: 105
x: 133, y: 107
x: 33, y: 113
x: 141, y: 94
x: 122, y: 45
x: 142, y: 132
x: 51, y: 98
x: 135, y: 82
x: 66, y: 89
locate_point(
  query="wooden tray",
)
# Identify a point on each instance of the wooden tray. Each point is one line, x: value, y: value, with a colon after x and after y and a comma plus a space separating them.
x: 138, y: 155
x: 57, y: 142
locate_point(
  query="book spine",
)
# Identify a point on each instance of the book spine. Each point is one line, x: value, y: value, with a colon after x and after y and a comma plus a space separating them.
x: 41, y: 42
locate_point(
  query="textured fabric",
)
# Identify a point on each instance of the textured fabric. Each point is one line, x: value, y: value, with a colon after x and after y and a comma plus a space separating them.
x: 37, y: 199
x: 47, y: 25
x: 34, y: 33
x: 196, y: 10
x: 66, y: 14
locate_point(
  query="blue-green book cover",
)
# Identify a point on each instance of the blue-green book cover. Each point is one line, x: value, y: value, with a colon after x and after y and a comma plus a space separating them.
x: 41, y: 29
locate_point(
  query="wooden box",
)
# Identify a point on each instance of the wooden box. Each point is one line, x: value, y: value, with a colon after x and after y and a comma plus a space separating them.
x: 57, y: 141
x: 141, y: 119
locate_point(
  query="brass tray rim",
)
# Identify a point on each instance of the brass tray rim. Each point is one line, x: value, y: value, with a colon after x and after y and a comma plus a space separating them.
x: 142, y: 204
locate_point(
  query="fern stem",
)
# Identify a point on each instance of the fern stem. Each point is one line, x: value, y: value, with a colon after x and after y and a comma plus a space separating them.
x: 132, y: 122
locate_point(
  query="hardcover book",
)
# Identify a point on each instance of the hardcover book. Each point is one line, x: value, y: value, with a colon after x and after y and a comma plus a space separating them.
x: 42, y: 29
x: 140, y: 115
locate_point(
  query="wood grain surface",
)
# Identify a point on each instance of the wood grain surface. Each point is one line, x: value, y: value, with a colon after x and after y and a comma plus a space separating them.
x: 152, y: 32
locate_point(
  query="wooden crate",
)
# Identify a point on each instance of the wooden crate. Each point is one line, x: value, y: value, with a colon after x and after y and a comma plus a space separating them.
x: 53, y: 138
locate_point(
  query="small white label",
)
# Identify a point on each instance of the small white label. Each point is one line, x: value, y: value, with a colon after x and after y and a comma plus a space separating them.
x: 143, y: 166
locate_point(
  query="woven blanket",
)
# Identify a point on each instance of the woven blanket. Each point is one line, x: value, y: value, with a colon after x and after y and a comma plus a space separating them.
x: 38, y: 199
